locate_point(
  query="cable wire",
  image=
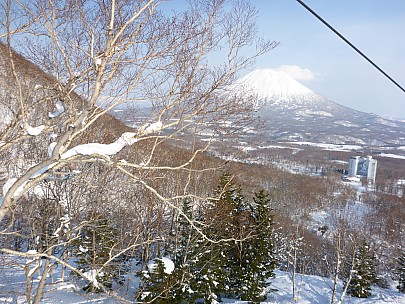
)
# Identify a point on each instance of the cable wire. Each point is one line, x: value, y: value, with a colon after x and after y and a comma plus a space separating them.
x: 351, y: 44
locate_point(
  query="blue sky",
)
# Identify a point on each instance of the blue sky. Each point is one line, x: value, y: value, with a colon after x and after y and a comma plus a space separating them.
x: 331, y: 67
x: 376, y: 27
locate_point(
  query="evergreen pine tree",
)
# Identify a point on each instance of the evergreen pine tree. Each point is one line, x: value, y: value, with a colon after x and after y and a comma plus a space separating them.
x: 400, y: 272
x: 212, y: 277
x: 92, y: 248
x: 232, y: 220
x: 186, y: 254
x: 236, y: 224
x: 261, y: 263
x: 363, y: 272
x: 200, y: 263
x: 239, y: 227
x: 212, y: 257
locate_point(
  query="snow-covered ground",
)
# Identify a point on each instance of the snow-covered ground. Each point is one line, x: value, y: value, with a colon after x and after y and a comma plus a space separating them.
x: 392, y: 155
x: 310, y: 289
x: 314, y: 289
x: 330, y: 147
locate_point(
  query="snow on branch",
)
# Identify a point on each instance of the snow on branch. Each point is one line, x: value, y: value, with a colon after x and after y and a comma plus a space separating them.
x: 150, y: 127
x: 34, y: 131
x: 91, y: 276
x: 20, y: 190
x: 51, y: 147
x: 8, y: 185
x: 59, y: 109
x: 126, y: 139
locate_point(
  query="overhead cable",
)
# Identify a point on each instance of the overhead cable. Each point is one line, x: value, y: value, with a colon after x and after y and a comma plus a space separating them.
x: 351, y: 44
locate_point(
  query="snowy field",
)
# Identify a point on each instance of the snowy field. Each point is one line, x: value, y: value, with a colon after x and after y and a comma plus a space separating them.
x: 310, y: 289
x: 392, y: 155
x: 328, y: 147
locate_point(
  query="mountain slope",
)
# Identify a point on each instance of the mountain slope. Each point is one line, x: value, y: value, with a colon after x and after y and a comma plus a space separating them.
x: 294, y: 112
x: 37, y: 93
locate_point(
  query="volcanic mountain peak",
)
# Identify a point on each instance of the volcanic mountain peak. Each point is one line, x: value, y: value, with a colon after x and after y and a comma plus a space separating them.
x: 295, y: 112
x: 274, y: 87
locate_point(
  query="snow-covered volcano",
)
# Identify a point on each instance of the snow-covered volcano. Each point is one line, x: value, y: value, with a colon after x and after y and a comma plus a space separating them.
x: 277, y: 88
x: 294, y: 112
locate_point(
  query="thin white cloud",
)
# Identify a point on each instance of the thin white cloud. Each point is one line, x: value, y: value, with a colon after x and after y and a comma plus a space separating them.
x: 297, y: 72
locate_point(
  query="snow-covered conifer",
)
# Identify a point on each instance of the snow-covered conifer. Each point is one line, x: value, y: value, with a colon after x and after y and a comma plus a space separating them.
x: 93, y: 249
x: 363, y: 272
x: 260, y: 254
x: 186, y: 255
x: 158, y: 282
x: 235, y: 225
x: 400, y: 272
